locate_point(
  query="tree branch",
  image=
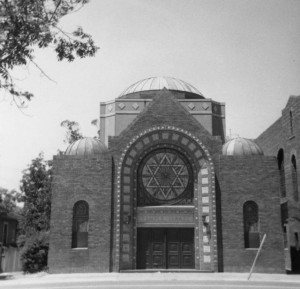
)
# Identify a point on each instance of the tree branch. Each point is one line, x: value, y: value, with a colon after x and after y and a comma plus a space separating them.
x: 64, y: 33
x: 45, y: 11
x: 20, y: 107
x: 54, y: 12
x: 42, y: 71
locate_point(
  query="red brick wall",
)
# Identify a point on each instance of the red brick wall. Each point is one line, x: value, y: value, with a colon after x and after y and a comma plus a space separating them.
x: 89, y: 179
x: 242, y: 179
x: 279, y: 136
x: 239, y: 179
x: 272, y: 139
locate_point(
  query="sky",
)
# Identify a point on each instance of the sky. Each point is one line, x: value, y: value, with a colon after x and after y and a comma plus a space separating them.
x: 245, y: 53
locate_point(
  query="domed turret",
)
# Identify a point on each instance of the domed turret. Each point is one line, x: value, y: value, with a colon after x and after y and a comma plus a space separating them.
x: 241, y: 147
x: 86, y: 146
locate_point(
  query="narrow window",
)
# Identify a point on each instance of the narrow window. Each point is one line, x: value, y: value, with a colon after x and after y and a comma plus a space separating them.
x: 251, y: 225
x: 280, y: 160
x: 80, y: 225
x: 297, y: 245
x: 291, y: 123
x: 284, y: 221
x: 5, y: 233
x: 295, y: 179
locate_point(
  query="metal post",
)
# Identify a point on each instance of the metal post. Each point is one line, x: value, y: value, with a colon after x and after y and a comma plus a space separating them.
x: 257, y: 254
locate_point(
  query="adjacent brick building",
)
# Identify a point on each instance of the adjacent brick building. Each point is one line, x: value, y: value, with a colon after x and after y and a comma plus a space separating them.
x: 161, y: 191
x: 281, y: 139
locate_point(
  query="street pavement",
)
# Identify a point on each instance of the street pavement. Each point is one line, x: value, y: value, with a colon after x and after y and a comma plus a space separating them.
x: 166, y: 280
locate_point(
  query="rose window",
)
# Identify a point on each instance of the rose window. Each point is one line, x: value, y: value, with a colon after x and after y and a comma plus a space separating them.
x: 164, y: 176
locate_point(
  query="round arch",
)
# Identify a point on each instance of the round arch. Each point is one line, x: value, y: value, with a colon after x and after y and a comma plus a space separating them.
x: 203, y: 208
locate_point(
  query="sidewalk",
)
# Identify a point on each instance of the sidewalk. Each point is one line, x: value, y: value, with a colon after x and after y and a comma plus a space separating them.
x: 43, y: 277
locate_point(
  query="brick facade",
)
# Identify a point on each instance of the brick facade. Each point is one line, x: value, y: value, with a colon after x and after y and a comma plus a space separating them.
x: 109, y: 183
x: 250, y: 178
x: 284, y: 136
x: 75, y: 179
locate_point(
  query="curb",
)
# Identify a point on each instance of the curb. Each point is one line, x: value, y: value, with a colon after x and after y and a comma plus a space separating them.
x: 137, y: 277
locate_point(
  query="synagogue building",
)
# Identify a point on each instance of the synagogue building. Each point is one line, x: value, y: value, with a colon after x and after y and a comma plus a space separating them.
x: 161, y: 189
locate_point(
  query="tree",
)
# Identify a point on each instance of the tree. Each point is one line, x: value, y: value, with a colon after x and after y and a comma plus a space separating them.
x: 35, y: 224
x: 10, y: 200
x: 36, y: 195
x: 25, y: 24
x: 36, y: 187
x: 96, y: 123
x: 73, y: 131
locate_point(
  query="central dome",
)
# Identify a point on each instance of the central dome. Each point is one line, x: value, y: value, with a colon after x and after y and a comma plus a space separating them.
x: 159, y: 83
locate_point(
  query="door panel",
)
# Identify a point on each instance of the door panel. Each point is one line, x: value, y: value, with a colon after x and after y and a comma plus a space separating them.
x: 165, y: 248
x: 173, y: 248
x: 143, y: 250
x: 173, y: 262
x: 187, y: 249
x: 158, y: 248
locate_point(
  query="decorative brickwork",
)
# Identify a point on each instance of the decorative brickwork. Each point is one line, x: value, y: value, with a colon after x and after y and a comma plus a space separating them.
x: 204, y: 200
x: 165, y: 184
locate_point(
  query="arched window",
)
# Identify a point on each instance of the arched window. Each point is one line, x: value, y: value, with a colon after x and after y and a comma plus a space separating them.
x: 80, y: 225
x: 251, y: 225
x: 280, y: 160
x: 294, y: 178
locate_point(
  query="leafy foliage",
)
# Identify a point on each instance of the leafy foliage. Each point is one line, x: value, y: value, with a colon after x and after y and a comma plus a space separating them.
x: 28, y: 23
x: 36, y: 189
x: 96, y: 123
x: 35, y: 224
x: 10, y: 200
x: 73, y: 131
x: 34, y: 253
x: 36, y: 195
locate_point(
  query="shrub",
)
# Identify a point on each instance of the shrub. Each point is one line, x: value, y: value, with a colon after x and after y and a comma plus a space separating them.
x: 34, y: 254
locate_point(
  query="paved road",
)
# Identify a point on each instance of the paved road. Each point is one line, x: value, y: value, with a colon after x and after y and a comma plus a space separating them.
x: 165, y: 284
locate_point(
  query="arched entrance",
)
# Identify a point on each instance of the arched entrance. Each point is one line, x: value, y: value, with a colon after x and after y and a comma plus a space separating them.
x: 166, y: 203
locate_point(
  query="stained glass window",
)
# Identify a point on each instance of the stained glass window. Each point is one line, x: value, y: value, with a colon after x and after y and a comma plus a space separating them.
x: 164, y: 177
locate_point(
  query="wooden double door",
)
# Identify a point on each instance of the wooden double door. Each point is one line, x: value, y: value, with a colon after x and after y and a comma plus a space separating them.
x: 165, y: 248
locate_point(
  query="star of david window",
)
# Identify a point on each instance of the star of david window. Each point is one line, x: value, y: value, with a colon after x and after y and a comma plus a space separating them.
x: 165, y: 178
